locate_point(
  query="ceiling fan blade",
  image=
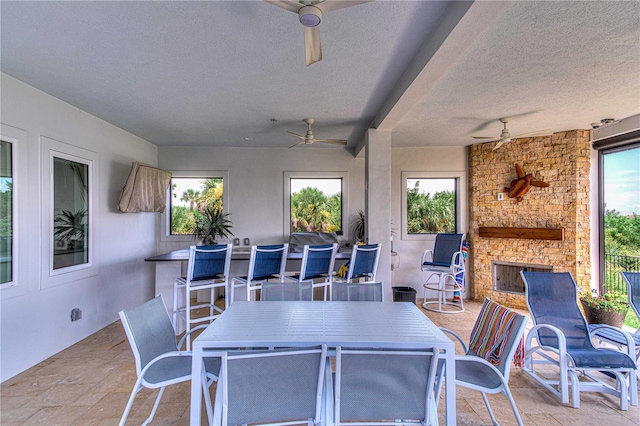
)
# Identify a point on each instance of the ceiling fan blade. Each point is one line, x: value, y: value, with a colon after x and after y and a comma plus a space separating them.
x: 297, y: 135
x: 329, y: 5
x: 293, y: 146
x: 333, y: 141
x: 483, y: 137
x: 290, y: 5
x: 545, y: 132
x: 313, y: 51
x: 498, y: 145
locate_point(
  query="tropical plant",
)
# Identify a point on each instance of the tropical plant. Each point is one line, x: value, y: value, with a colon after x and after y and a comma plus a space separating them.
x: 430, y: 214
x: 190, y: 196
x: 312, y: 210
x: 70, y: 226
x: 212, y: 223
x: 359, y: 226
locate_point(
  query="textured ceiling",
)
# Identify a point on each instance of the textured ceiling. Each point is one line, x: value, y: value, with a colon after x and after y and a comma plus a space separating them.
x: 218, y: 73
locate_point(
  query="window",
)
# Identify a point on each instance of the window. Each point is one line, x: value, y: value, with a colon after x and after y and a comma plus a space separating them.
x: 70, y: 240
x: 431, y: 204
x: 6, y: 212
x: 314, y: 202
x: 190, y: 193
x: 620, y: 214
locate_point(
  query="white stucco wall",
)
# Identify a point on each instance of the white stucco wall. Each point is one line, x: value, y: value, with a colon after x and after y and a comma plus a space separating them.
x: 35, y: 321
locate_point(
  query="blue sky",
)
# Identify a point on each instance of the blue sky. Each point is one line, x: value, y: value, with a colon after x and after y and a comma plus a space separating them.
x: 622, y: 181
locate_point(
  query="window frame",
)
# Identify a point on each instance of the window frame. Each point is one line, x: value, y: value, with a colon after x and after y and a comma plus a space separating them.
x: 460, y: 200
x: 165, y: 227
x: 51, y: 148
x: 344, y: 176
x: 13, y: 136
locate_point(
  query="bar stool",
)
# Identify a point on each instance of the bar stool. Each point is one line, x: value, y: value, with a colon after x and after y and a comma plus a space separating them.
x: 446, y: 262
x: 317, y: 265
x: 265, y: 263
x: 208, y: 268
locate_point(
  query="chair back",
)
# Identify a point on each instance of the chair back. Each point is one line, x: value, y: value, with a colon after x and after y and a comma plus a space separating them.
x: 372, y: 385
x: 364, y: 262
x: 267, y: 261
x: 445, y: 247
x: 497, y: 336
x: 272, y: 386
x: 149, y: 331
x: 356, y: 292
x: 209, y: 262
x: 633, y: 290
x: 286, y: 290
x: 318, y: 261
x: 552, y: 299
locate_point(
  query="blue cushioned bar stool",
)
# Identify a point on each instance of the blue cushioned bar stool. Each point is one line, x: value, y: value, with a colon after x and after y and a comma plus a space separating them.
x: 208, y: 269
x: 317, y: 265
x: 446, y: 262
x: 267, y: 262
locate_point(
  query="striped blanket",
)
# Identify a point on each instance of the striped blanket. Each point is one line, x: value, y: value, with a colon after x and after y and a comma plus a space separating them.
x: 491, y: 332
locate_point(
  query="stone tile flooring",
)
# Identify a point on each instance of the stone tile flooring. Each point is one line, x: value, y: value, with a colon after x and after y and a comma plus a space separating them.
x: 89, y: 383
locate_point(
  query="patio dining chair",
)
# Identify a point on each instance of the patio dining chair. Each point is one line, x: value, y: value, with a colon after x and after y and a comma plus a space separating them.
x: 446, y: 263
x: 496, y: 340
x: 562, y: 339
x: 613, y: 336
x: 282, y: 386
x: 363, y: 263
x: 357, y: 292
x: 286, y: 290
x: 208, y: 269
x: 266, y: 262
x: 317, y: 265
x: 374, y: 386
x: 159, y: 361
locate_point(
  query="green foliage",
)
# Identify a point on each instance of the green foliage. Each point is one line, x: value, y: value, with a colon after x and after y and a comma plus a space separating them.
x: 430, y: 215
x: 612, y: 301
x: 212, y: 223
x: 6, y: 210
x: 359, y: 226
x: 182, y: 220
x: 312, y: 210
x: 621, y: 234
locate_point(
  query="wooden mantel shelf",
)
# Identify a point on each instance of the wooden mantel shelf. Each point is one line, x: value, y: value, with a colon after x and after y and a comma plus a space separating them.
x: 556, y: 234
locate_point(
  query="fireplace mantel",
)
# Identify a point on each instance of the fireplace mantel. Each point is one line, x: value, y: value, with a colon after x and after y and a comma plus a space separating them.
x: 556, y: 234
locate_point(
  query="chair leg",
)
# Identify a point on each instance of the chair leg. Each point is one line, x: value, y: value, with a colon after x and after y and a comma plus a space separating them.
x: 187, y: 315
x: 132, y: 397
x: 175, y: 305
x: 207, y: 396
x: 155, y: 407
x: 516, y: 413
x: 486, y: 402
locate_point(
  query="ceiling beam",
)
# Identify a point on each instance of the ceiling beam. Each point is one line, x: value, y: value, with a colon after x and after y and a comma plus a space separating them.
x: 462, y: 25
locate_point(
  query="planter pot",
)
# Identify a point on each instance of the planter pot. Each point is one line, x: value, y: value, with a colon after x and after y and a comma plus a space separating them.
x: 596, y: 316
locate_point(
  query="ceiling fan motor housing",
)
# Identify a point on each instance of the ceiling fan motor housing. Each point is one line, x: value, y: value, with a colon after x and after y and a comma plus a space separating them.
x: 310, y: 16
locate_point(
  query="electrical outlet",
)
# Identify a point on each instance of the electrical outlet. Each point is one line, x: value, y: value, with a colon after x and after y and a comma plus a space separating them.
x: 236, y: 241
x: 246, y: 242
x: 500, y: 196
x: 76, y: 314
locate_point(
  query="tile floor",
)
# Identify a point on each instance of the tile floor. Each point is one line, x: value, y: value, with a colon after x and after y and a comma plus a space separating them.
x: 89, y: 383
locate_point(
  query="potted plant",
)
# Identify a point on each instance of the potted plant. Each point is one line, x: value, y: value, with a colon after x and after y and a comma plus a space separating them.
x: 70, y: 227
x: 211, y: 224
x: 359, y: 226
x: 610, y: 308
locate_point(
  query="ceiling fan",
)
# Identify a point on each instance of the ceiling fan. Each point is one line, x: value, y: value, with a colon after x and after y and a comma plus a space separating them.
x: 505, y: 136
x: 310, y: 15
x: 309, y: 138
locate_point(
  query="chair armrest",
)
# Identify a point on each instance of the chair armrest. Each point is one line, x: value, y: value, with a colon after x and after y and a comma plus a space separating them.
x: 624, y: 334
x: 183, y: 338
x: 163, y: 356
x: 562, y: 341
x: 458, y: 338
x: 428, y: 252
x: 457, y: 260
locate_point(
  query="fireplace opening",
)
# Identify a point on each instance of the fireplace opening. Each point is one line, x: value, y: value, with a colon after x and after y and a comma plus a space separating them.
x: 506, y: 275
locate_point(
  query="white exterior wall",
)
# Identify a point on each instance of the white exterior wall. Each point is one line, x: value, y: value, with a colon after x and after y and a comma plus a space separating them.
x: 35, y: 322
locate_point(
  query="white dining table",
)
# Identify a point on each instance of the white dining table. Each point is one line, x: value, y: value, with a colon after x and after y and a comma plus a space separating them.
x: 388, y: 325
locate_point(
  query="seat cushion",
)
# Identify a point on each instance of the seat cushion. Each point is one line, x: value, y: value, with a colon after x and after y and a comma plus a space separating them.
x: 477, y: 373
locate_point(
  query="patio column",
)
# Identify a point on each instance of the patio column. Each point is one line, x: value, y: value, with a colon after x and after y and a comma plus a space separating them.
x: 377, y: 200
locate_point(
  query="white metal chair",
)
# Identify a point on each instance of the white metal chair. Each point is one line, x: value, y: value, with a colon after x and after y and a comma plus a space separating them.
x: 446, y: 262
x: 271, y: 387
x: 266, y: 262
x: 208, y: 269
x: 612, y: 335
x: 317, y: 265
x: 385, y: 387
x: 495, y: 339
x: 287, y: 290
x: 357, y: 292
x: 159, y: 362
x: 562, y: 339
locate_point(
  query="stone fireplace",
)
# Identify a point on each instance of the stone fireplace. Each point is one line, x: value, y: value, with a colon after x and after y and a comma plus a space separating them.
x: 549, y: 228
